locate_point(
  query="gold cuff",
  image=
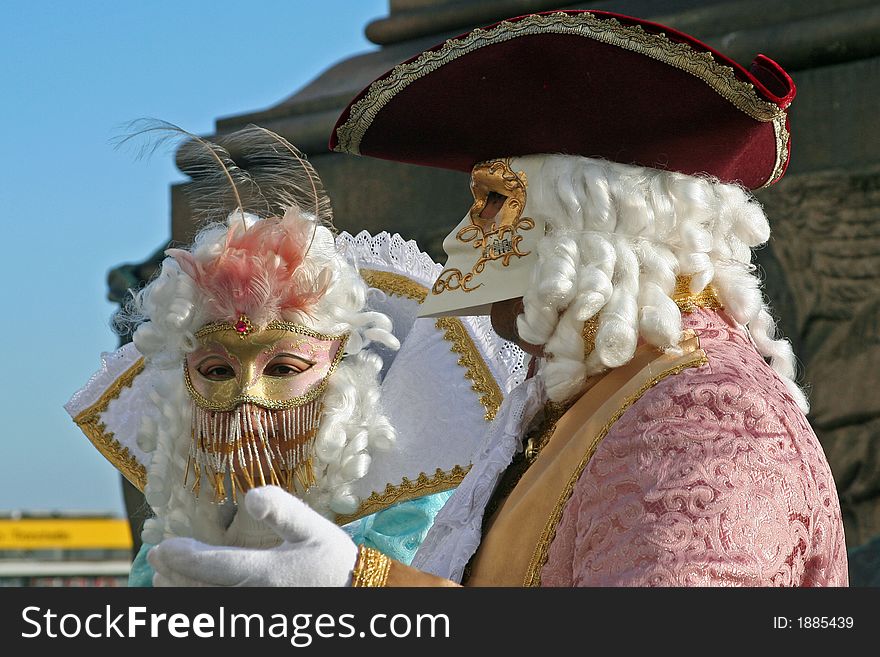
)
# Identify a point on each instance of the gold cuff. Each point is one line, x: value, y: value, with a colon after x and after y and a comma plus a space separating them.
x: 371, y: 568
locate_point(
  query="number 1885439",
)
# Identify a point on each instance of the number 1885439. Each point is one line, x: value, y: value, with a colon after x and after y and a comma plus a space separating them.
x: 823, y: 622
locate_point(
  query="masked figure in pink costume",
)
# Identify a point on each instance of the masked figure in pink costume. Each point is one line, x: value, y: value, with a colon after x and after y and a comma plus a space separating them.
x: 662, y: 439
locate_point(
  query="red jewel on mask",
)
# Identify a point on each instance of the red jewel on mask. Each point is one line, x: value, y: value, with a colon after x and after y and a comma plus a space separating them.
x: 243, y: 326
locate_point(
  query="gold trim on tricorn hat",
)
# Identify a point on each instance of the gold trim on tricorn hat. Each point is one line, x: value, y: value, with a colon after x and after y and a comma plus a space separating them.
x: 584, y: 83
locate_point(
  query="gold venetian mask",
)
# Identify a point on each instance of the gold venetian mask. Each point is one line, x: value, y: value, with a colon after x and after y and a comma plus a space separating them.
x: 257, y: 396
x: 281, y: 366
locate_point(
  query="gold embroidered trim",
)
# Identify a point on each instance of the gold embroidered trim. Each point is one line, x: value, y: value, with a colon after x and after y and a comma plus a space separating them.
x: 722, y: 79
x: 484, y: 383
x: 454, y: 332
x: 89, y: 421
x: 539, y: 558
x: 782, y: 137
x: 396, y: 284
x: 688, y: 302
x: 274, y: 325
x: 407, y: 489
x: 371, y: 568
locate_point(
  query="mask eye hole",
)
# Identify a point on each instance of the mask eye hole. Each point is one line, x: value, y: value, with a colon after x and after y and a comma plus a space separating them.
x: 215, y: 368
x: 494, y: 201
x: 286, y: 365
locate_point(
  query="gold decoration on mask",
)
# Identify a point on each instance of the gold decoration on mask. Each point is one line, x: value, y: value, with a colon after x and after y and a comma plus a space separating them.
x: 497, y: 176
x: 453, y: 279
x: 274, y: 325
x: 682, y: 296
x: 496, y: 238
x: 228, y: 393
x: 252, y: 446
x: 243, y: 326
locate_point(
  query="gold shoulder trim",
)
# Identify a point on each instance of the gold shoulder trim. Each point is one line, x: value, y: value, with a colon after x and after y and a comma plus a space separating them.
x: 407, y: 489
x: 722, y: 79
x: 396, y: 284
x: 687, y: 302
x: 484, y: 383
x: 539, y: 558
x: 89, y: 420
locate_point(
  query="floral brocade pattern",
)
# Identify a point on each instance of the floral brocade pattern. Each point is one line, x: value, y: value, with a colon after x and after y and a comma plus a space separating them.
x: 713, y: 478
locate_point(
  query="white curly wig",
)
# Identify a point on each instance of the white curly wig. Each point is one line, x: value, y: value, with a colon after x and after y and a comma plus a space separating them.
x: 617, y: 238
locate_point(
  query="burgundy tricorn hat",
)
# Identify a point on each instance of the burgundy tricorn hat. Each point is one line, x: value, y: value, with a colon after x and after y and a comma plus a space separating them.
x: 585, y: 83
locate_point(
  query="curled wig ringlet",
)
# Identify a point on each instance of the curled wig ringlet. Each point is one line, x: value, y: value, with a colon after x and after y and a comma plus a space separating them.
x: 617, y: 238
x: 273, y: 257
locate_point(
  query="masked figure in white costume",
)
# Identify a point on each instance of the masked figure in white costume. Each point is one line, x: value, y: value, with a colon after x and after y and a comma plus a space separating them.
x: 256, y: 366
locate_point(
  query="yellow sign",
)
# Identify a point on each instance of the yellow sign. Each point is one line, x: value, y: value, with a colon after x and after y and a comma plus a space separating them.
x: 65, y: 534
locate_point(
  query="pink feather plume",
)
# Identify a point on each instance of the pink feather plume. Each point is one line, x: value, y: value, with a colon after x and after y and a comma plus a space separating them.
x: 260, y: 271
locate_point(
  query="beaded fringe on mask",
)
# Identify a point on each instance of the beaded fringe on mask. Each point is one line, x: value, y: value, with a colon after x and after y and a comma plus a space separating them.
x: 252, y: 446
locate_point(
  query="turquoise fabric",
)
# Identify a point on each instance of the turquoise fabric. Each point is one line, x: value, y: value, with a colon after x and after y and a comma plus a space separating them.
x: 397, y: 531
x: 141, y: 572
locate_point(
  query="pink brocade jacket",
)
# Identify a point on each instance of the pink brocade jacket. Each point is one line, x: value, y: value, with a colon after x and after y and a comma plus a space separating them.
x: 713, y: 477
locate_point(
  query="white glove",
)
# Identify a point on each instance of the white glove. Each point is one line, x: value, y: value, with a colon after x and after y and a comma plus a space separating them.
x: 313, y: 552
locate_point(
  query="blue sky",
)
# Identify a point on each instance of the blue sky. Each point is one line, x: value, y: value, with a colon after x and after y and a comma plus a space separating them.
x: 73, y: 207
